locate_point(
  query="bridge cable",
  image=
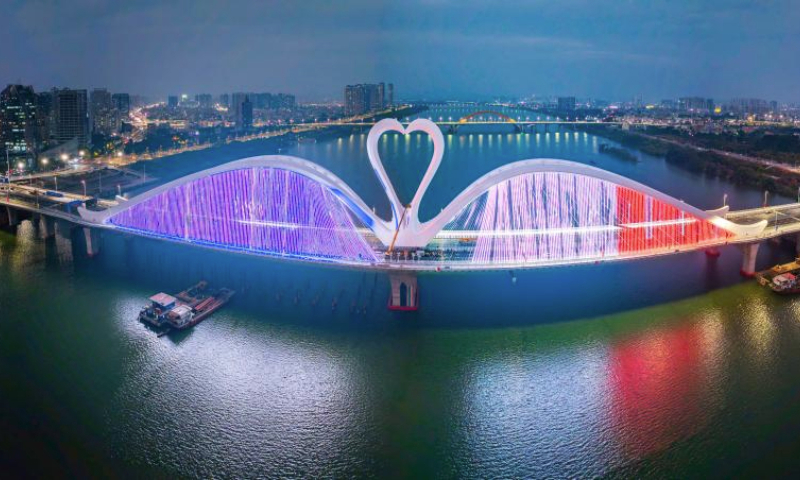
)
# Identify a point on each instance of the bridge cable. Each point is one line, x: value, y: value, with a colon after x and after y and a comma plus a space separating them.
x: 397, y: 230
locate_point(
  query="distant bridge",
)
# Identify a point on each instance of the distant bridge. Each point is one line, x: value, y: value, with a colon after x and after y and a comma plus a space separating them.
x: 487, y: 113
x: 452, y: 126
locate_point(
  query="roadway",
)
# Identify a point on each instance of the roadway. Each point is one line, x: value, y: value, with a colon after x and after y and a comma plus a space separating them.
x: 781, y: 219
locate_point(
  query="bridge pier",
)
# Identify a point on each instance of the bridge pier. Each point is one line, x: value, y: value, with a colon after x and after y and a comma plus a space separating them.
x: 92, y: 243
x: 63, y: 229
x: 750, y: 252
x: 13, y: 217
x: 404, y: 296
x: 46, y: 227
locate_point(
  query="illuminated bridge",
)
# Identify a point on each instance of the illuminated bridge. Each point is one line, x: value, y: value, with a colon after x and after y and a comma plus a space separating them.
x: 527, y: 214
x: 530, y: 213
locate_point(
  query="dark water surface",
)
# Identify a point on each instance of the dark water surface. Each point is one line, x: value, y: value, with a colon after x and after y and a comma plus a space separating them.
x: 669, y: 367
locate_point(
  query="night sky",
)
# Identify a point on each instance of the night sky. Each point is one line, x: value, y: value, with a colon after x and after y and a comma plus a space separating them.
x: 434, y: 49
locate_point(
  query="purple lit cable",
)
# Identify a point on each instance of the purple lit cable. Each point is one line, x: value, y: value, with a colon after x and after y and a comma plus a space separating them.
x: 262, y: 210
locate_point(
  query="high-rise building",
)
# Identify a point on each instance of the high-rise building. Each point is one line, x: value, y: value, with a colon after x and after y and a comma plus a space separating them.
x: 354, y: 102
x: 18, y: 122
x: 390, y: 95
x: 204, y: 100
x: 363, y: 98
x: 104, y: 115
x: 245, y: 120
x: 235, y: 109
x: 122, y: 102
x: 71, y: 116
x: 172, y: 101
x: 284, y: 100
x: 749, y: 106
x: 379, y: 97
x: 566, y: 104
x: 696, y: 104
x: 45, y: 117
x: 225, y: 100
x: 261, y: 101
x: 241, y: 110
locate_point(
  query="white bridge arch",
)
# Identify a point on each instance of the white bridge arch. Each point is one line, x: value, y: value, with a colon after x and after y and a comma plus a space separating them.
x: 403, y: 231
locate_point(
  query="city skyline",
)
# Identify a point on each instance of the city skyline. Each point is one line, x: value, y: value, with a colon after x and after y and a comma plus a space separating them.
x: 435, y: 49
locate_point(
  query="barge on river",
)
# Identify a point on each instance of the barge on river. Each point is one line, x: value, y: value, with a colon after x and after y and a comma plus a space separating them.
x: 185, y: 309
x: 783, y: 279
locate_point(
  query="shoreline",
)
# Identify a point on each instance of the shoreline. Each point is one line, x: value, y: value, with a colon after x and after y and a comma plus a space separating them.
x: 735, y: 168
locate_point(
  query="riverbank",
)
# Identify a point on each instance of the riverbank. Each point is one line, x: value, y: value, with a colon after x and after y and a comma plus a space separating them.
x: 728, y: 166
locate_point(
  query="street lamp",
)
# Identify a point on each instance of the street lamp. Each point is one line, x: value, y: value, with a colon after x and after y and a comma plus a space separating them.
x: 64, y: 157
x: 84, y: 187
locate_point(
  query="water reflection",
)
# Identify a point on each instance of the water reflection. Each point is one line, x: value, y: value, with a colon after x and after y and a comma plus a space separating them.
x: 234, y: 398
x: 268, y: 388
x: 536, y: 412
x: 656, y: 382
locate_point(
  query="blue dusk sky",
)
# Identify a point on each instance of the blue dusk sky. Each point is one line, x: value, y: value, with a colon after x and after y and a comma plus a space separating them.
x: 435, y: 49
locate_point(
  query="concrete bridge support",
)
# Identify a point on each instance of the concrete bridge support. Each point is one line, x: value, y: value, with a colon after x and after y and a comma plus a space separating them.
x: 404, y: 296
x: 12, y: 216
x: 46, y: 226
x: 63, y: 229
x: 750, y: 252
x: 92, y: 242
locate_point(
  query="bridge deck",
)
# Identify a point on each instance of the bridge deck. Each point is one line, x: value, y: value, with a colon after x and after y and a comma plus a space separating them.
x: 782, y: 220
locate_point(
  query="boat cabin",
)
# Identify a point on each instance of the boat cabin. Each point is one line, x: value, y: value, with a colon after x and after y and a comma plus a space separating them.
x: 784, y: 280
x: 163, y: 301
x: 180, y: 315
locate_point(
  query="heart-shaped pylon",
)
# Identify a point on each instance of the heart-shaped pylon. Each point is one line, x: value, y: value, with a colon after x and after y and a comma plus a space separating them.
x: 405, y: 218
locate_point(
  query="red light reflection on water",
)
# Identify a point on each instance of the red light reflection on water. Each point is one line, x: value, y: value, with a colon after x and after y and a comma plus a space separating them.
x: 656, y: 385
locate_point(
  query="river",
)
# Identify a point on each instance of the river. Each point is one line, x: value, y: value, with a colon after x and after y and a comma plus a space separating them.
x: 673, y: 366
